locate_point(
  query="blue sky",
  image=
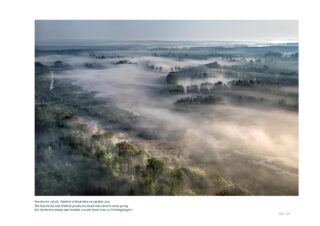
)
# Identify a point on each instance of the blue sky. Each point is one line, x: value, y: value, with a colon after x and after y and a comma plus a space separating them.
x: 166, y: 30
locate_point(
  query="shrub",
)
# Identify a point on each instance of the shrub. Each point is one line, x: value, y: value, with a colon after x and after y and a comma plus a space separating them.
x: 126, y: 150
x: 155, y: 166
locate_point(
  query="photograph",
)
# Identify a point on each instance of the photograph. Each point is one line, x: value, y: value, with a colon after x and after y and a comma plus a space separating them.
x: 166, y: 108
x: 160, y: 113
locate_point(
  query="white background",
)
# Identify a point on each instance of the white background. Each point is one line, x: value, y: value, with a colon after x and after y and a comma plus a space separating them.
x: 17, y: 116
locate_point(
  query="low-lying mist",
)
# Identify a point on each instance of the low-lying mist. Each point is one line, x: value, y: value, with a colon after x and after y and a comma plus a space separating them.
x: 209, y: 135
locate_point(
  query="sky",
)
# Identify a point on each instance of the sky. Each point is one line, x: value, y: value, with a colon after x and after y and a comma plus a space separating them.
x: 47, y: 31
